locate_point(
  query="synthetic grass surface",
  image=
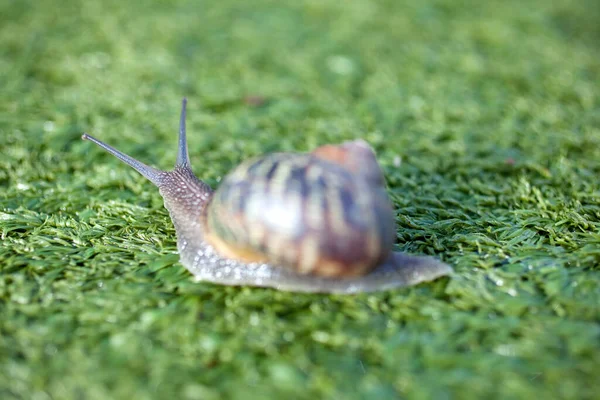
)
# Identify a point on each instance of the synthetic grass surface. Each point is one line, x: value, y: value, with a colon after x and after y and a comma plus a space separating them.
x: 485, y: 116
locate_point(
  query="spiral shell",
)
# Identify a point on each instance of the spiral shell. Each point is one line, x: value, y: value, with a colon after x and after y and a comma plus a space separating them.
x: 302, y: 211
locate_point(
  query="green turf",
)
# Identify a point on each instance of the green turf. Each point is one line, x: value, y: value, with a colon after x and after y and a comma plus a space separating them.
x: 486, y: 119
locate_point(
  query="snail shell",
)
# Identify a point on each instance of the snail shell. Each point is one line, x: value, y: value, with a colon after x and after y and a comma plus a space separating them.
x: 303, y: 212
x: 310, y: 222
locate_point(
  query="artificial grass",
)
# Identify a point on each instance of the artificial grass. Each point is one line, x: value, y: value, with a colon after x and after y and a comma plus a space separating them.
x: 485, y: 116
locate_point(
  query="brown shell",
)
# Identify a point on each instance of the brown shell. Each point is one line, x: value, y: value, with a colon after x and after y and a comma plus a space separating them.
x: 324, y: 213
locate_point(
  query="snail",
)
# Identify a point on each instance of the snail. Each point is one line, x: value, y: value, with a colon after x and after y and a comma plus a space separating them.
x: 305, y: 222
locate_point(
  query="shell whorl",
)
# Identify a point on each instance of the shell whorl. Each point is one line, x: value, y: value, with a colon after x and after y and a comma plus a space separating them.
x: 306, y: 212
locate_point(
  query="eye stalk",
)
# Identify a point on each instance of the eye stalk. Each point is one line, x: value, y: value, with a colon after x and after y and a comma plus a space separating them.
x: 183, y: 158
x: 152, y: 174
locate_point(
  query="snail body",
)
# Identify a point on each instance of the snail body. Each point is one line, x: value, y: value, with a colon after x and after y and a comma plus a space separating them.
x: 311, y: 222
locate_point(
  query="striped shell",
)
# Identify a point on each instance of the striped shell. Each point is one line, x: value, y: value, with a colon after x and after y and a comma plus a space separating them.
x: 309, y: 212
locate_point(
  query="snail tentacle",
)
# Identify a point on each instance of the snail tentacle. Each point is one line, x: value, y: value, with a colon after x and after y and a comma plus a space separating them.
x: 152, y: 174
x: 183, y: 157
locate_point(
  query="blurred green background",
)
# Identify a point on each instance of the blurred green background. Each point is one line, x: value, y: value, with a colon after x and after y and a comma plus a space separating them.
x: 486, y: 120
